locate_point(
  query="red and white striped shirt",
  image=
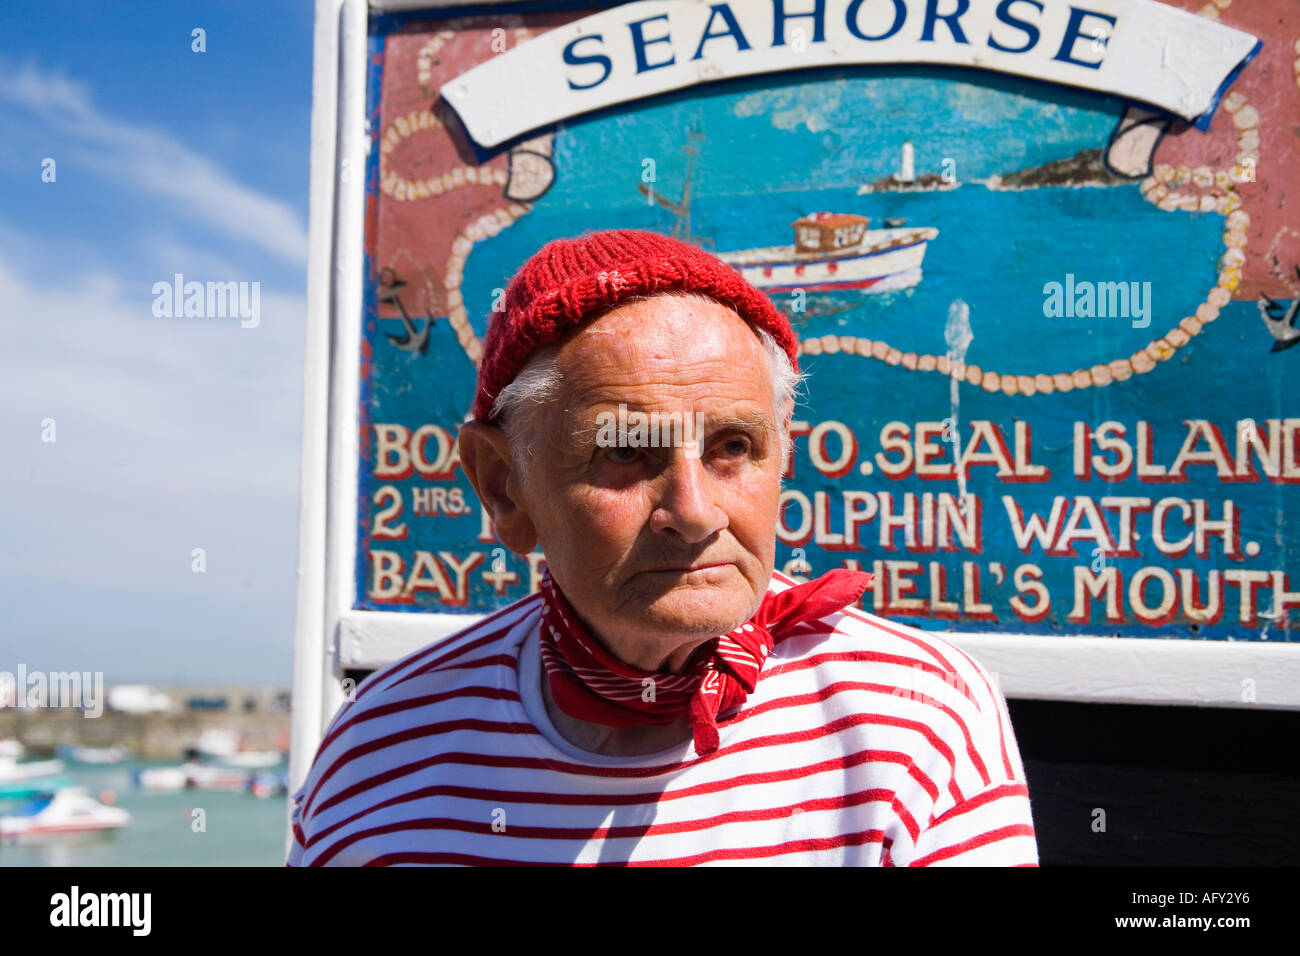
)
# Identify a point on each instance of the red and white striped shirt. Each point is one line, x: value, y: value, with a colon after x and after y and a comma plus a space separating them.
x: 865, y: 743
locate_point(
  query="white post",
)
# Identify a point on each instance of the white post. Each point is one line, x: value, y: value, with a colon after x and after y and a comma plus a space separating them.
x: 309, y: 651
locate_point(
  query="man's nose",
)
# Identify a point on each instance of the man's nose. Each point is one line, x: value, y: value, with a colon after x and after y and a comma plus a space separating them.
x: 688, y: 507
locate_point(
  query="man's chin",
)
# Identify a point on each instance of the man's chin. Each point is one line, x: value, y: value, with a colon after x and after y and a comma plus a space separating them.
x: 699, y: 610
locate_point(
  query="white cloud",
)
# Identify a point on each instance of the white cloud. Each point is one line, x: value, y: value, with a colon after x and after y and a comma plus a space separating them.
x: 177, y: 255
x: 155, y: 163
x: 170, y: 433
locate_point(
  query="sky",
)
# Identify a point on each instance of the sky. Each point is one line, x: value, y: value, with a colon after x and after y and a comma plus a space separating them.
x: 127, y: 439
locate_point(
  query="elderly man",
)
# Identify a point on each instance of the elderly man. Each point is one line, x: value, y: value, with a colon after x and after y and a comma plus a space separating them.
x: 666, y: 697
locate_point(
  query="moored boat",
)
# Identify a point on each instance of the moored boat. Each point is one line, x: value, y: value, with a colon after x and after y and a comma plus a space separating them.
x: 265, y: 784
x: 192, y: 776
x: 14, y: 771
x: 218, y: 746
x: 254, y: 759
x: 92, y: 755
x: 210, y: 777
x: 69, y: 810
x: 161, y: 779
x: 27, y: 789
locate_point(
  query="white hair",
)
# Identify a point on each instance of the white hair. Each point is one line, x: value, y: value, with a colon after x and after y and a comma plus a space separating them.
x: 518, y: 406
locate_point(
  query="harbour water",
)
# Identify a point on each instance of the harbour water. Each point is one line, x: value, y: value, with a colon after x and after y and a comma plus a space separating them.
x: 233, y: 829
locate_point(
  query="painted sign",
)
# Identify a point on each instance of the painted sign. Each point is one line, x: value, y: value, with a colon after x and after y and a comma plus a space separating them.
x: 1138, y: 49
x: 1047, y: 329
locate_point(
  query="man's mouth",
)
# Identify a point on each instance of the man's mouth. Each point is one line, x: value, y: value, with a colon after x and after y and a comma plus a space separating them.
x: 705, y: 569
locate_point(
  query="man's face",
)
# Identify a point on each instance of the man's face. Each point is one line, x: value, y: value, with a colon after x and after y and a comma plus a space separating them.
x: 659, y: 549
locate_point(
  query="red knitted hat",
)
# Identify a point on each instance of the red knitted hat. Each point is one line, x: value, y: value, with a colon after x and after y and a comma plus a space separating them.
x: 570, y: 280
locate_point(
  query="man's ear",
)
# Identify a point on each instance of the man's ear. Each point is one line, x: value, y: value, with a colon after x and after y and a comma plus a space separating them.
x: 485, y: 457
x: 786, y: 416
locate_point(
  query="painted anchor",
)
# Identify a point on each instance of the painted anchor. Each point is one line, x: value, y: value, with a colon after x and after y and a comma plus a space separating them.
x: 414, y: 340
x: 1280, y: 320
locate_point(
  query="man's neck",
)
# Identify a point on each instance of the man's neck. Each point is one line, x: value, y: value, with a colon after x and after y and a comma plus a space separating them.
x: 612, y: 741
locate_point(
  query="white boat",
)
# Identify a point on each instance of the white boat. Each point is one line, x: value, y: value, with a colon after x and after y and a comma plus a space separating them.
x: 162, y: 779
x: 264, y: 785
x: 835, y: 251
x: 70, y: 810
x: 12, y: 771
x: 254, y: 759
x: 208, y: 777
x: 224, y: 746
x: 11, y: 748
x: 216, y: 742
x: 192, y: 776
x: 139, y: 699
x: 95, y: 755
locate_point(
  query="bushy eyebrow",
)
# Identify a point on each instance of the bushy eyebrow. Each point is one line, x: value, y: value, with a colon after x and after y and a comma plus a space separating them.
x: 757, y: 422
x: 585, y: 433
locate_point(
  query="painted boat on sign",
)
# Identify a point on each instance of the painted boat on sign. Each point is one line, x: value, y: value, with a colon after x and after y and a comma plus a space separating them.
x: 836, y: 251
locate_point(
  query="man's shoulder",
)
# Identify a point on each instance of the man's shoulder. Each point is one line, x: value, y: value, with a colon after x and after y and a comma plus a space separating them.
x: 479, y: 644
x: 453, y: 673
x: 933, y: 678
x: 467, y: 656
x: 866, y: 637
x: 916, y: 689
x: 923, y: 651
x: 423, y: 692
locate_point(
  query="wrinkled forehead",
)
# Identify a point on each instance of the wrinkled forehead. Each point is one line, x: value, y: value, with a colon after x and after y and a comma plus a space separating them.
x: 667, y: 349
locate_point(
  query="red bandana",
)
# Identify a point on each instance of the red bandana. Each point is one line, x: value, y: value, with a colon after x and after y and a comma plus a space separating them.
x: 591, y: 684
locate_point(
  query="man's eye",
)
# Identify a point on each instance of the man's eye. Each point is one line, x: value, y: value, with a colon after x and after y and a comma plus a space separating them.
x: 734, y: 447
x: 622, y: 455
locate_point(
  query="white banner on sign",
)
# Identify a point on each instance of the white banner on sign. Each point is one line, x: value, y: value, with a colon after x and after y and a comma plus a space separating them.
x: 1138, y: 49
